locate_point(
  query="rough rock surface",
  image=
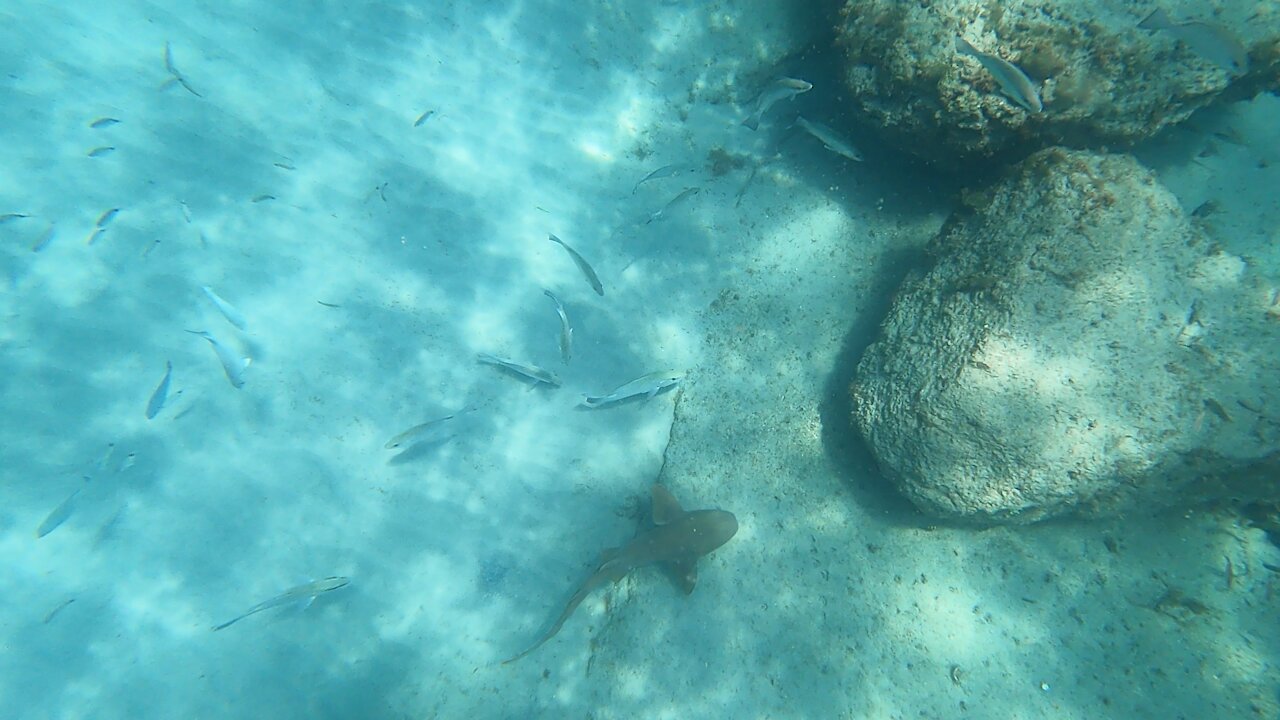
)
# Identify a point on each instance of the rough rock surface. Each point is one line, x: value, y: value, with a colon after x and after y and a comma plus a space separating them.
x: 1078, y: 348
x: 1103, y: 80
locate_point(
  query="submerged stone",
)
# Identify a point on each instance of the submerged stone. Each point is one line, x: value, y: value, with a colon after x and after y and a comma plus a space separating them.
x: 1078, y: 348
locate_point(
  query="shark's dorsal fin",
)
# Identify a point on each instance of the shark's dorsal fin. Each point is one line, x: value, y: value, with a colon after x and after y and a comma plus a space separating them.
x: 684, y: 572
x: 665, y: 506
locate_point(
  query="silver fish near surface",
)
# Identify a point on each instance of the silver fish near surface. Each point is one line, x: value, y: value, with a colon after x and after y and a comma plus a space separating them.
x: 647, y: 385
x: 106, y: 217
x: 533, y: 372
x: 101, y: 151
x: 57, y: 516
x: 229, y: 312
x: 1012, y: 81
x: 232, y: 364
x: 429, y: 431
x: 103, y: 122
x: 829, y: 139
x: 105, y: 460
x: 1211, y: 42
x: 672, y: 204
x: 423, y: 117
x: 161, y: 393
x: 174, y: 75
x: 781, y: 89
x: 44, y: 239
x: 108, y: 527
x: 306, y: 593
x: 582, y: 264
x: 566, y: 331
x: 665, y: 171
x: 169, y: 67
x: 49, y: 616
x: 742, y: 191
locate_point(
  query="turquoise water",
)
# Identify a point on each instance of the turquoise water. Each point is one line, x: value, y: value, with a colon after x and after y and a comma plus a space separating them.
x: 368, y: 192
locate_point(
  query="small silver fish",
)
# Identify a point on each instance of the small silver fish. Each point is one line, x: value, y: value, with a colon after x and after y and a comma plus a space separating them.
x: 105, y: 460
x: 232, y: 315
x: 566, y: 332
x: 101, y: 151
x: 647, y: 385
x: 44, y: 239
x: 1211, y: 42
x: 174, y: 75
x: 106, y: 217
x: 674, y: 203
x: 781, y: 89
x: 665, y: 171
x: 108, y: 527
x: 168, y: 60
x: 751, y: 176
x: 1015, y: 83
x: 232, y: 364
x: 129, y: 461
x: 12, y: 216
x: 423, y: 117
x: 161, y: 393
x: 582, y: 264
x: 93, y: 236
x: 533, y: 372
x: 103, y: 122
x: 428, y: 431
x: 57, y: 516
x: 306, y: 592
x: 49, y: 616
x: 830, y: 139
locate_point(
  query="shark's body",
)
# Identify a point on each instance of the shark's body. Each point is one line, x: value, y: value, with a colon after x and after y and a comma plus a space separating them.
x: 676, y: 541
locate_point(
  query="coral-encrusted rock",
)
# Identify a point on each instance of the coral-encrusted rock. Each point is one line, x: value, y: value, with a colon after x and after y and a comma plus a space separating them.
x: 1076, y: 349
x: 1103, y: 80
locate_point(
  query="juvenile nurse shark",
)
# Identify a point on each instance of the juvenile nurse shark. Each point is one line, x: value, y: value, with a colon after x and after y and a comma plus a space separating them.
x: 677, y: 539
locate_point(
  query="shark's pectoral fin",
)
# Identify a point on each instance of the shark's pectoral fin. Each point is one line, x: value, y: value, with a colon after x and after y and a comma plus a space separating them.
x: 665, y: 506
x: 683, y: 572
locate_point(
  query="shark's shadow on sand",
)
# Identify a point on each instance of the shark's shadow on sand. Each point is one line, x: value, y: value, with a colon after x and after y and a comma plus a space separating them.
x: 845, y: 447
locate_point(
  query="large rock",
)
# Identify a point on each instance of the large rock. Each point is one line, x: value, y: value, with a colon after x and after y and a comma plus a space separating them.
x: 1078, y: 347
x: 1103, y: 80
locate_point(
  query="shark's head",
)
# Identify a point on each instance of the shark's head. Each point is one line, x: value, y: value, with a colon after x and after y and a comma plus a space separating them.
x: 709, y: 529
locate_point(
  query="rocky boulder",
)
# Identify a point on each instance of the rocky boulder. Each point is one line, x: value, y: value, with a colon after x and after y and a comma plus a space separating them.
x: 1103, y: 80
x: 1078, y: 348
